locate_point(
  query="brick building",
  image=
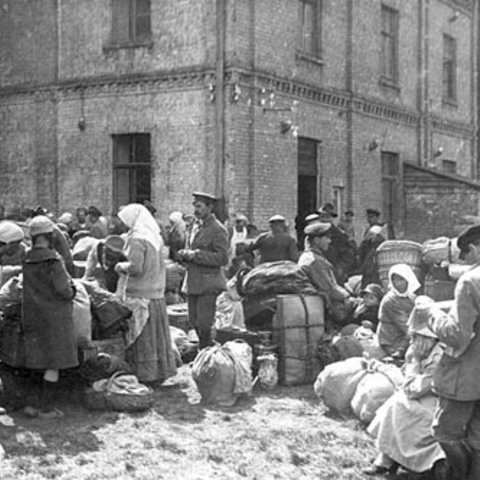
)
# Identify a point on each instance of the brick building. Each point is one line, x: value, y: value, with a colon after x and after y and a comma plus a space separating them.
x: 276, y: 105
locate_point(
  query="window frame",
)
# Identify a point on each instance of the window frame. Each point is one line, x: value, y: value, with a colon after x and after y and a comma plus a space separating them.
x: 130, y: 166
x: 449, y: 62
x: 390, y: 41
x: 316, y: 51
x: 129, y: 8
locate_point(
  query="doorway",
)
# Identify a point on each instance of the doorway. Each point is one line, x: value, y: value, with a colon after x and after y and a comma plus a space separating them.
x: 307, y: 193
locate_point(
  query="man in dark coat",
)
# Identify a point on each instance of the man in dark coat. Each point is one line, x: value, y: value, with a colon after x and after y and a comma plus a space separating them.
x: 456, y: 378
x: 277, y: 244
x: 49, y: 333
x: 205, y: 257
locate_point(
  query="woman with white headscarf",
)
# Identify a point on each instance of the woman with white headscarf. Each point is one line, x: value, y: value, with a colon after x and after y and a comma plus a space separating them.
x: 395, y: 310
x: 149, y: 350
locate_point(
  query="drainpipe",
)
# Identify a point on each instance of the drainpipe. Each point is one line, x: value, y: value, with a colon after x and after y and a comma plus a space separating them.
x: 349, y: 116
x: 220, y: 99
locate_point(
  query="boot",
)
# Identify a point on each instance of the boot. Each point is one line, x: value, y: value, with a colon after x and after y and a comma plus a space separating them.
x: 474, y: 471
x: 204, y: 338
x: 458, y: 458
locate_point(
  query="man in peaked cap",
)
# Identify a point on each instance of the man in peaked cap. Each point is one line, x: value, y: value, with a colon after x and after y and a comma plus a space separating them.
x: 320, y: 271
x: 205, y: 256
x: 277, y: 244
x: 456, y: 378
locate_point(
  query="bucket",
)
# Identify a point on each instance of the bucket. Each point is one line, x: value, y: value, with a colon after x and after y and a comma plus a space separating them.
x: 392, y: 252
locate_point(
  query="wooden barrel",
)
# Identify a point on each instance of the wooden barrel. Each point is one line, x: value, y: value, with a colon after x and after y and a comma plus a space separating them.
x: 392, y: 252
x: 298, y: 326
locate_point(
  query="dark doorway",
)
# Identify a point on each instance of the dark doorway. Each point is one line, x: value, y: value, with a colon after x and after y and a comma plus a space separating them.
x: 307, y: 194
x: 390, y: 193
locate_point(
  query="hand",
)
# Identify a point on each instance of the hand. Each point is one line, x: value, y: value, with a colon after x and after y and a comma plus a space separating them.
x: 186, y: 255
x: 121, y: 267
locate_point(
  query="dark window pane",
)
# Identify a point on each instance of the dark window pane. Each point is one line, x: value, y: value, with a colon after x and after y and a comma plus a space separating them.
x: 121, y: 21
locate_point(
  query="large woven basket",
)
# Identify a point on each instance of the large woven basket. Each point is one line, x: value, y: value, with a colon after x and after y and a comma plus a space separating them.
x: 127, y: 403
x: 392, y: 252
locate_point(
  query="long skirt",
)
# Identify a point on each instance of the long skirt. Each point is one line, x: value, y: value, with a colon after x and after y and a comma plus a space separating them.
x: 403, y: 431
x: 151, y: 355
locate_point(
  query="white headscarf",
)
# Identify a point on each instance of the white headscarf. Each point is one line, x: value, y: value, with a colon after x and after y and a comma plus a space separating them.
x: 176, y: 218
x: 10, y: 232
x: 406, y: 272
x: 142, y: 225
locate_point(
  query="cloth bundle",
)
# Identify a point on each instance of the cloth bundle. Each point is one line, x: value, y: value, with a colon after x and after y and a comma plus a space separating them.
x: 222, y: 373
x: 274, y: 278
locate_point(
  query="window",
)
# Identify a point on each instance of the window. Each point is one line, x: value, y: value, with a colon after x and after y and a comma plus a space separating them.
x: 390, y: 189
x: 449, y: 68
x: 132, y: 169
x: 389, y: 38
x: 131, y: 22
x: 449, y: 166
x: 309, y: 27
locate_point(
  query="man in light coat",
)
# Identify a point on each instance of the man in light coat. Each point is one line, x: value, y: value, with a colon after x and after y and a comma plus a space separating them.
x: 457, y: 377
x: 205, y: 257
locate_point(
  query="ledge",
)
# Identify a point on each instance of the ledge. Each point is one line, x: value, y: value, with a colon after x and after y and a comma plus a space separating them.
x: 450, y: 102
x: 387, y: 83
x: 121, y: 46
x: 305, y: 57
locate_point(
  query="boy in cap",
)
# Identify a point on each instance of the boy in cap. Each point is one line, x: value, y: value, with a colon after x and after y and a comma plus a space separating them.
x: 320, y: 271
x: 277, y: 244
x: 48, y: 330
x: 205, y: 257
x: 456, y: 379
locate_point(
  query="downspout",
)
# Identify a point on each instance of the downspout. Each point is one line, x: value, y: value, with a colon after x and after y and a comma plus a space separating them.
x: 349, y: 116
x: 475, y: 85
x: 220, y: 28
x: 420, y: 84
x: 426, y: 79
x: 56, y: 176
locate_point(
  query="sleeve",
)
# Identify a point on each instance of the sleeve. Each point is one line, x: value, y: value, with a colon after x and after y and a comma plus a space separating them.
x: 62, y: 247
x: 62, y: 283
x: 293, y: 251
x: 419, y: 382
x: 136, y: 258
x: 218, y: 255
x: 455, y: 328
x: 325, y: 281
x: 91, y: 263
x: 256, y: 244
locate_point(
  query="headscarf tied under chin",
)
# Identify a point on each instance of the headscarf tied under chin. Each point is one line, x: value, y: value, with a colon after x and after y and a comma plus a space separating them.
x: 176, y: 219
x: 405, y: 271
x: 141, y: 224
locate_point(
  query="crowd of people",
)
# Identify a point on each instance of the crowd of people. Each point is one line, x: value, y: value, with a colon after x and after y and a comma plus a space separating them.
x: 128, y: 254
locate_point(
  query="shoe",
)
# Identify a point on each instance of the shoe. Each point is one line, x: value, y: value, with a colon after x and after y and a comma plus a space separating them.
x: 30, y: 412
x: 54, y: 413
x: 378, y: 470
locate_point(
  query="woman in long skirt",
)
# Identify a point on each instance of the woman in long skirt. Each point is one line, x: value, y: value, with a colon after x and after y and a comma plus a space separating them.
x: 149, y: 349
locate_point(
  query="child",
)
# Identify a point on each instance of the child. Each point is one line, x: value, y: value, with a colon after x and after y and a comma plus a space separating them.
x: 395, y: 309
x: 402, y: 426
x: 49, y: 334
x: 367, y: 306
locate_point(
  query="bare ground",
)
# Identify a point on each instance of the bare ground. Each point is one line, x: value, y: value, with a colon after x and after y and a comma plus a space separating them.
x: 282, y: 434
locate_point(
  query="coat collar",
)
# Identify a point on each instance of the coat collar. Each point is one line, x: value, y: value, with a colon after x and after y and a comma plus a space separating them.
x: 40, y: 254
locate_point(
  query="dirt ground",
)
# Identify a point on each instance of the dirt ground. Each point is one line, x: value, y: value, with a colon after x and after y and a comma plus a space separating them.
x: 281, y: 434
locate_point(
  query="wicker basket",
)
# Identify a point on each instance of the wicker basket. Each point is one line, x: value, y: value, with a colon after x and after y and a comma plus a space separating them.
x: 392, y: 252
x: 127, y: 402
x: 440, y: 290
x: 95, y: 400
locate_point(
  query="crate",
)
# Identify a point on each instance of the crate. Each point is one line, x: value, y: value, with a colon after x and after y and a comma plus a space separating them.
x: 440, y: 290
x: 12, y: 348
x: 112, y: 346
x: 178, y: 316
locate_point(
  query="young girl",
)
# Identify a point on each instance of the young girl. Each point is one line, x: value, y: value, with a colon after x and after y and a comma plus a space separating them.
x: 49, y: 334
x: 395, y: 309
x: 367, y: 306
x: 402, y: 425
